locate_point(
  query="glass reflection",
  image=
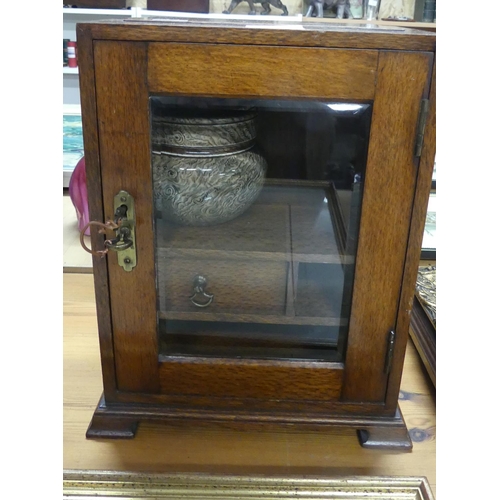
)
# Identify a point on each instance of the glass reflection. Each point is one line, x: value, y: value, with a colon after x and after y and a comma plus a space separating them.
x: 257, y: 208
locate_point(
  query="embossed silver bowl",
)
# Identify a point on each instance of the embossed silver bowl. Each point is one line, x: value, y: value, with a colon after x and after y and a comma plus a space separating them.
x: 206, y: 169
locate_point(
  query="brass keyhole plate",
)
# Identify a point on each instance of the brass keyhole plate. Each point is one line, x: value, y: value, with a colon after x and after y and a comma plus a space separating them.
x: 127, y: 258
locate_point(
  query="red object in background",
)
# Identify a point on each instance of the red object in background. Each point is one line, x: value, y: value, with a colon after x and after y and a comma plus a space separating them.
x: 72, y: 60
x: 78, y: 194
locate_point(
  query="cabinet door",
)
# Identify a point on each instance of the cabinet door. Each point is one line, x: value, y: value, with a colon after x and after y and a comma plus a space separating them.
x: 273, y: 190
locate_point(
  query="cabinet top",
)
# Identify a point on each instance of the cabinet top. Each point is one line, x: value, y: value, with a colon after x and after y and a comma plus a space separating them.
x: 311, y: 33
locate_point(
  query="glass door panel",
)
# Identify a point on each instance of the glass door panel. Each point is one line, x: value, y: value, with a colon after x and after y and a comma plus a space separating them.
x: 257, y: 209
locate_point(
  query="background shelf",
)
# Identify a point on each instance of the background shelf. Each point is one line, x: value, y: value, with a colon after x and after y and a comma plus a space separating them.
x: 99, y: 12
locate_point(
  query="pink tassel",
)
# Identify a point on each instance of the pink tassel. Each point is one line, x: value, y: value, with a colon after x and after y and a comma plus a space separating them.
x: 78, y: 194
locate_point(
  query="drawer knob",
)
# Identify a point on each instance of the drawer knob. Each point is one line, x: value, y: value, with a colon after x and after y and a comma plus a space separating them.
x: 199, y: 293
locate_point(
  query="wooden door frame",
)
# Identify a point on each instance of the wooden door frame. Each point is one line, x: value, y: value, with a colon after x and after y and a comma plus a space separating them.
x: 144, y: 379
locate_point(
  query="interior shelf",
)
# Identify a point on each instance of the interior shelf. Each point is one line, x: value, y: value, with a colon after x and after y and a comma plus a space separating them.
x: 280, y: 262
x: 253, y: 318
x: 297, y: 225
x: 70, y: 71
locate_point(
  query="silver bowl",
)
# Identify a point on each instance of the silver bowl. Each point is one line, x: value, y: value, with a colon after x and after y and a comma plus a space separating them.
x: 206, y: 169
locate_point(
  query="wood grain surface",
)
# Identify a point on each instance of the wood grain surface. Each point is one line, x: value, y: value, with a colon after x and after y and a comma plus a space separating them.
x: 122, y: 106
x: 389, y: 189
x: 163, y: 448
x: 249, y: 71
x: 255, y: 318
x: 284, y: 224
x: 96, y: 209
x: 262, y: 229
x: 230, y: 378
x: 309, y: 34
x: 424, y: 181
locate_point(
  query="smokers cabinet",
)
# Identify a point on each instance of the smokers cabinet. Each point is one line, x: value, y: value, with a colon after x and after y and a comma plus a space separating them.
x: 257, y: 194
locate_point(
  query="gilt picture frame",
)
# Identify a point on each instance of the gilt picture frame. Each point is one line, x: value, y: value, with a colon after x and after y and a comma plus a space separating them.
x: 107, y: 485
x: 423, y: 319
x: 429, y: 244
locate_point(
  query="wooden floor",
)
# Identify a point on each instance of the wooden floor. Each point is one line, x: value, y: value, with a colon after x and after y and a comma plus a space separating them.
x: 160, y: 448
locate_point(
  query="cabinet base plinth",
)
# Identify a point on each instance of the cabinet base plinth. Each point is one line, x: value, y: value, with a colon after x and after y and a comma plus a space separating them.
x: 111, y: 426
x: 393, y: 435
x: 120, y: 421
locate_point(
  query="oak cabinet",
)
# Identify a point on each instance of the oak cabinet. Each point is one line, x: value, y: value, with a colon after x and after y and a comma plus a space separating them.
x: 294, y: 309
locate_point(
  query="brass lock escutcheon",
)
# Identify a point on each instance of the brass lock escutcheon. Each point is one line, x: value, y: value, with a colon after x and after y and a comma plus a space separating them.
x: 124, y: 226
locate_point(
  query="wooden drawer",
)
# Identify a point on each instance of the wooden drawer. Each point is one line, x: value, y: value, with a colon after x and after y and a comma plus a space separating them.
x: 238, y: 286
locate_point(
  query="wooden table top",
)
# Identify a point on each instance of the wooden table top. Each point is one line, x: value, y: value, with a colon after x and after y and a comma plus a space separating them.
x: 162, y: 448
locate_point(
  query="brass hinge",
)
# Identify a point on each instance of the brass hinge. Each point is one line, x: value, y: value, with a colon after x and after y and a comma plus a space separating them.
x: 422, y: 118
x: 390, y: 351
